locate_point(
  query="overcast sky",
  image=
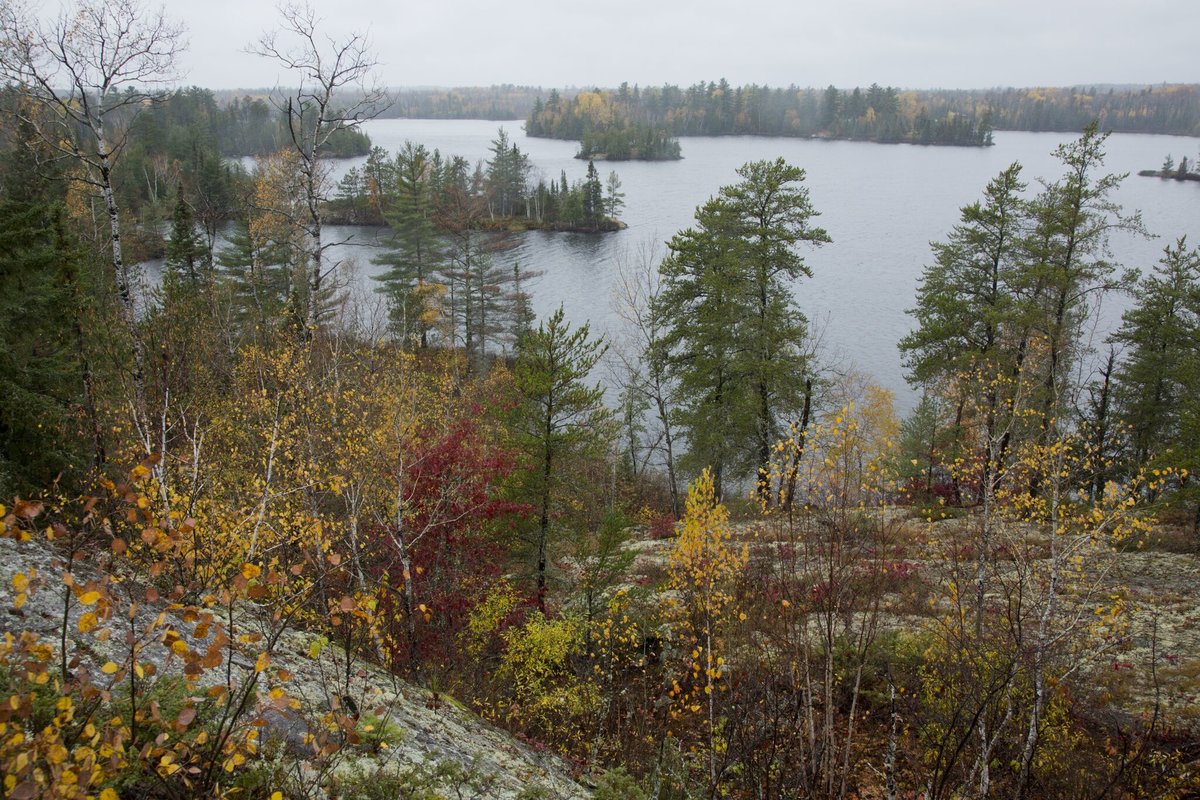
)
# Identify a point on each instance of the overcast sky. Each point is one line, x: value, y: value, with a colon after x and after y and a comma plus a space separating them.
x: 904, y: 43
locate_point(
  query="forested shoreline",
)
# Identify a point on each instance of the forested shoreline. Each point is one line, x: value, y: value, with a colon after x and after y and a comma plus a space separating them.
x: 244, y: 506
x: 507, y: 200
x: 1164, y: 108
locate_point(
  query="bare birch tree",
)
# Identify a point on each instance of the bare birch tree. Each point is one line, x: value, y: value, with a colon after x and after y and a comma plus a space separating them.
x: 335, y: 90
x: 88, y: 71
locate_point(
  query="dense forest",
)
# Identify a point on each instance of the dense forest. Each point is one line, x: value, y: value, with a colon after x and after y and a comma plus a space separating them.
x: 642, y: 122
x: 186, y: 147
x: 718, y: 109
x: 1169, y: 109
x: 502, y: 103
x: 628, y: 122
x: 736, y: 574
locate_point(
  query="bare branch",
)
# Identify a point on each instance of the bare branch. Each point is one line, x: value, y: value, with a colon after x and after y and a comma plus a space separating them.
x: 336, y: 88
x: 98, y: 61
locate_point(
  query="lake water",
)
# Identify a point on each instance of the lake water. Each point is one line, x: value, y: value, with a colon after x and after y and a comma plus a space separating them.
x: 882, y: 205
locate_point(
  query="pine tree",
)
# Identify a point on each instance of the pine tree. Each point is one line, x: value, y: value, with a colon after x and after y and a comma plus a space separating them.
x: 614, y: 198
x: 416, y: 252
x: 972, y: 335
x: 737, y: 338
x: 1066, y: 269
x: 1155, y: 381
x: 561, y: 416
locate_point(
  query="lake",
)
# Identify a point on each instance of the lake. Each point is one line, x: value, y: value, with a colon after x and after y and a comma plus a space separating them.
x: 882, y: 205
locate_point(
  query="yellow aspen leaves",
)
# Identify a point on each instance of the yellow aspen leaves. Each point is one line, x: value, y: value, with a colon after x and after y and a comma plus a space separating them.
x: 167, y: 763
x: 20, y: 584
x: 262, y: 663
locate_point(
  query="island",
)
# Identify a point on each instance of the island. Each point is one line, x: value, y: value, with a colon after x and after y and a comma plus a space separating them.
x: 1172, y: 172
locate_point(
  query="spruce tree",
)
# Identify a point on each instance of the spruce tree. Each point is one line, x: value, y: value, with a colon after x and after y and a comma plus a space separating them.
x: 186, y: 251
x: 46, y: 383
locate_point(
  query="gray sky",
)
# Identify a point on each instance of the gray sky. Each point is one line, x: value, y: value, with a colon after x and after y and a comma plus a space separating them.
x: 905, y: 43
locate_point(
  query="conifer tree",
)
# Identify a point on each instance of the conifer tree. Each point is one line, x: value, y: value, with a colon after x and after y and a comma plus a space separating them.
x: 1157, y: 379
x: 561, y: 416
x: 186, y: 252
x: 1066, y: 269
x: 736, y: 336
x: 972, y: 334
x: 416, y: 252
x: 46, y: 377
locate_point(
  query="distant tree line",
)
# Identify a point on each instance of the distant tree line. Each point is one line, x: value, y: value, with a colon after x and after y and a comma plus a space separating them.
x: 242, y: 126
x: 503, y: 102
x: 1172, y: 109
x: 718, y: 109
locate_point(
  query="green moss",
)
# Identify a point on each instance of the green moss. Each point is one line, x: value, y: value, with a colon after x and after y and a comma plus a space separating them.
x: 433, y: 780
x: 617, y: 784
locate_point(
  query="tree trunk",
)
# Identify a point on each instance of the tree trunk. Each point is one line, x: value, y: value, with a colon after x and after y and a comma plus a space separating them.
x: 544, y: 517
x: 128, y: 309
x: 798, y: 453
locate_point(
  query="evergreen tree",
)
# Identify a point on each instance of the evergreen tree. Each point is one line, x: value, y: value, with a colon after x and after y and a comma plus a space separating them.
x: 561, y: 417
x: 614, y: 198
x: 186, y: 251
x: 925, y: 446
x: 507, y: 176
x: 966, y: 303
x: 46, y: 383
x: 972, y: 324
x: 736, y: 335
x: 416, y: 252
x: 522, y: 309
x: 1161, y: 334
x: 260, y: 276
x: 1066, y: 268
x: 593, y: 198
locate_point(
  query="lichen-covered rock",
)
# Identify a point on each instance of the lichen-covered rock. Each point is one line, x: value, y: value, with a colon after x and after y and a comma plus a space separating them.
x: 405, y: 739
